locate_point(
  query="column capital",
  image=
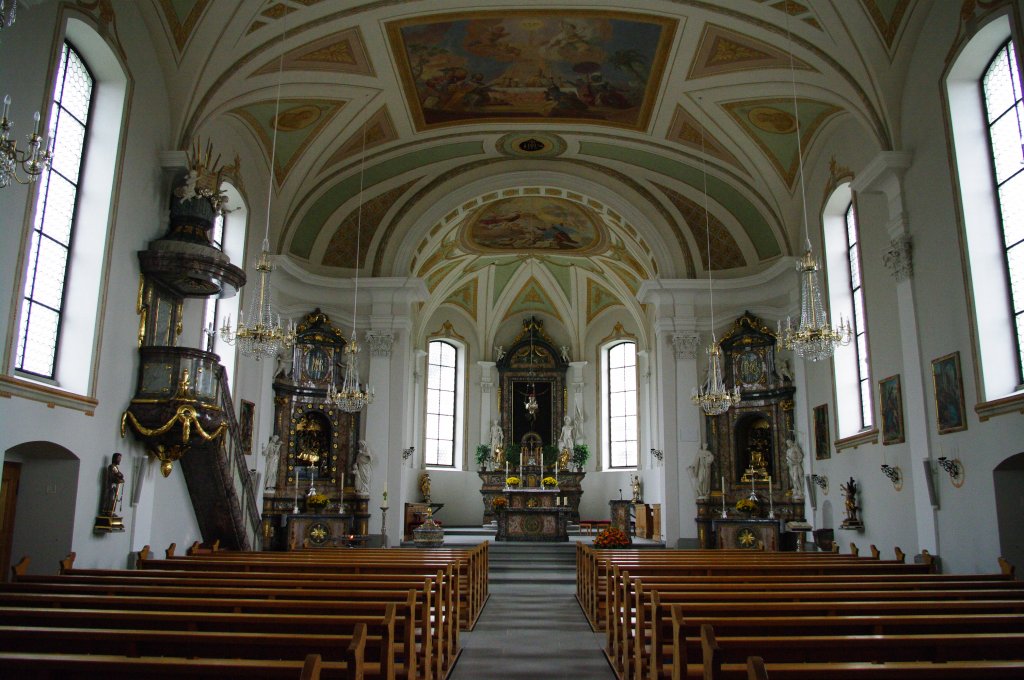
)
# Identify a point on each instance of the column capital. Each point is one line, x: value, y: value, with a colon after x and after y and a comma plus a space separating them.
x: 380, y: 342
x: 685, y: 345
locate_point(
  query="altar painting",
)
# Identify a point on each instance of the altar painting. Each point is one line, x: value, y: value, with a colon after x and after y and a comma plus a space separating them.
x: 533, y: 223
x: 597, y: 67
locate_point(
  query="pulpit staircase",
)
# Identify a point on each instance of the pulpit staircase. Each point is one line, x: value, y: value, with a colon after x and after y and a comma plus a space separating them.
x: 221, y: 487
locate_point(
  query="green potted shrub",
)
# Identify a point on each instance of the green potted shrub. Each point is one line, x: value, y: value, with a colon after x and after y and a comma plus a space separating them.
x: 580, y: 456
x: 483, y: 455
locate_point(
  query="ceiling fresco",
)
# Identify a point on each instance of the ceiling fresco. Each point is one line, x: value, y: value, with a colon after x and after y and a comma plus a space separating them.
x: 574, y: 66
x: 534, y: 223
x: 426, y: 110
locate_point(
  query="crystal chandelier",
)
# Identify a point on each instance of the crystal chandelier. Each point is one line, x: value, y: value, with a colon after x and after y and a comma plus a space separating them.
x: 261, y: 334
x: 353, y: 395
x: 712, y: 396
x: 8, y: 12
x: 814, y: 339
x: 30, y: 161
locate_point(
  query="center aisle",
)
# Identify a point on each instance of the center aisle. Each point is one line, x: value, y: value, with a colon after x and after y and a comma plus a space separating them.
x: 532, y: 627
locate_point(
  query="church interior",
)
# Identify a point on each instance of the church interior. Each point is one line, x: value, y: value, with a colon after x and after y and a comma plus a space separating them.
x: 282, y: 274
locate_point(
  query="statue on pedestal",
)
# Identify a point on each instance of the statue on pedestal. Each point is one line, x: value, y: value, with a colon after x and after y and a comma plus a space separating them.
x: 565, y: 438
x: 271, y: 451
x: 700, y: 472
x: 425, y: 487
x: 363, y: 468
x: 635, y: 484
x: 497, y: 443
x: 795, y: 463
x: 850, y: 505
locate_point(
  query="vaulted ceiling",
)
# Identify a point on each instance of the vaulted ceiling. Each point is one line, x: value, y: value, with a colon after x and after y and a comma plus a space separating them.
x: 567, y: 134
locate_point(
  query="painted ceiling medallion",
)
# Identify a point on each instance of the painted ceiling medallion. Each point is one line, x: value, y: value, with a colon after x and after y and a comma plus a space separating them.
x: 533, y: 223
x: 531, y: 145
x: 533, y: 65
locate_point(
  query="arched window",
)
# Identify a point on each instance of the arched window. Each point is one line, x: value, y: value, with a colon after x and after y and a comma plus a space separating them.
x: 54, y: 228
x: 64, y: 258
x: 851, y: 364
x: 1004, y: 114
x: 983, y: 90
x: 442, y: 424
x: 620, y: 397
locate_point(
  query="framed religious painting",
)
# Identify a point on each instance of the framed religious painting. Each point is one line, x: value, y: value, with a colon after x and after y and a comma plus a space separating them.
x: 890, y: 398
x: 950, y: 413
x: 246, y: 417
x: 822, y: 438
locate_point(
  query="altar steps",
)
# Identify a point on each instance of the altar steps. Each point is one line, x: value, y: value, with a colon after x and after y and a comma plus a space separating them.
x: 522, y: 563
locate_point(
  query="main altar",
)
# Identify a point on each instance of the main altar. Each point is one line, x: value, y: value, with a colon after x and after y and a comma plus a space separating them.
x: 532, y: 515
x: 750, y: 494
x: 532, y: 443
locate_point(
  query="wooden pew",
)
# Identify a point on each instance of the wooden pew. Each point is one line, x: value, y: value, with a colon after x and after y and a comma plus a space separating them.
x: 715, y: 652
x: 646, y: 621
x: 28, y: 666
x: 394, y: 635
x: 757, y: 669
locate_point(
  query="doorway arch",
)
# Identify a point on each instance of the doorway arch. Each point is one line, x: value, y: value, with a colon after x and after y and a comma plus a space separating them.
x: 43, y: 520
x: 1008, y: 482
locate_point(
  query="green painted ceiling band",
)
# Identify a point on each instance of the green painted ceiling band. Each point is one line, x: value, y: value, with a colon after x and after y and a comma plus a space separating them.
x: 325, y: 206
x: 746, y: 214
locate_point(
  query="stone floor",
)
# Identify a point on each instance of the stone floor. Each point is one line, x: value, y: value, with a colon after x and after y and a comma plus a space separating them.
x: 532, y: 627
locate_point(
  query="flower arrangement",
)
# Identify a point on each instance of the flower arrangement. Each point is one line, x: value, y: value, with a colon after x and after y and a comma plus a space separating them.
x: 317, y: 501
x: 513, y: 481
x: 746, y: 505
x: 499, y: 503
x: 549, y: 481
x: 611, y: 538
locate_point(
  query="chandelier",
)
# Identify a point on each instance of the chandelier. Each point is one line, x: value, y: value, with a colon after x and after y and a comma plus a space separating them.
x: 30, y: 161
x: 814, y: 339
x: 8, y: 12
x: 712, y: 396
x: 261, y: 333
x: 353, y: 395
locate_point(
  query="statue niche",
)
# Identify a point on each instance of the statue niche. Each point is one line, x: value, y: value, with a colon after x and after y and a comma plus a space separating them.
x: 312, y: 446
x: 755, y: 451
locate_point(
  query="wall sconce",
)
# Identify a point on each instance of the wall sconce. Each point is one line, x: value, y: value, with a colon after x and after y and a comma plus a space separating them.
x: 821, y: 481
x: 954, y: 468
x: 407, y: 453
x: 30, y: 161
x: 894, y: 474
x: 658, y: 454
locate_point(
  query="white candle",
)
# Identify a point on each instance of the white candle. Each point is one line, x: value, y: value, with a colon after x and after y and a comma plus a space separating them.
x: 35, y: 117
x: 769, y: 488
x: 723, y: 486
x: 506, y: 469
x: 7, y: 104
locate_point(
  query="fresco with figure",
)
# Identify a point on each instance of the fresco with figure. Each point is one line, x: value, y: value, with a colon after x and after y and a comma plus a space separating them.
x: 534, y: 223
x: 601, y: 67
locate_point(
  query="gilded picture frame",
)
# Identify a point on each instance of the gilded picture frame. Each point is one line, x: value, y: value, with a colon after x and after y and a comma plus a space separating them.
x: 947, y: 381
x: 890, y: 401
x: 822, y: 437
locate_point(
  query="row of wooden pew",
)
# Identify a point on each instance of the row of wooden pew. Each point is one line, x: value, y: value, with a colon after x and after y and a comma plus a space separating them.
x: 324, y: 613
x: 738, y: 614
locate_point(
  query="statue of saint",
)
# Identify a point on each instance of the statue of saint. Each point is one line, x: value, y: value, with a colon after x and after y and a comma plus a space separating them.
x: 565, y: 439
x: 700, y: 471
x: 271, y: 451
x: 113, y: 486
x: 636, y: 489
x: 795, y: 462
x: 850, y: 502
x: 497, y: 443
x: 425, y: 487
x: 363, y: 468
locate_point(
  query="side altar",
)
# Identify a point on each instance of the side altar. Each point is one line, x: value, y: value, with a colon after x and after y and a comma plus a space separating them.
x: 749, y: 476
x: 533, y: 515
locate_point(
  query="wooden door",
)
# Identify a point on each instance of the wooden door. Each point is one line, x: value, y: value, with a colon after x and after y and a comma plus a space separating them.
x: 8, y: 502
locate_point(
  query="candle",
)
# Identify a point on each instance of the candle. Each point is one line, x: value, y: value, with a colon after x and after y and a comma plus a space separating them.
x: 506, y: 469
x: 769, y: 488
x: 384, y: 505
x: 35, y: 117
x: 7, y: 105
x: 342, y: 484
